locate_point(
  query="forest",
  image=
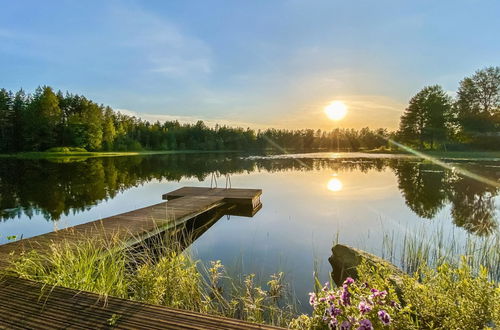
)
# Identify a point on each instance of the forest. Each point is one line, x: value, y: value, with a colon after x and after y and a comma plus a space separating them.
x: 48, y: 119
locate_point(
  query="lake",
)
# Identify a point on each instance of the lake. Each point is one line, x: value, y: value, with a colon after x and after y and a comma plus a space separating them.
x: 310, y: 201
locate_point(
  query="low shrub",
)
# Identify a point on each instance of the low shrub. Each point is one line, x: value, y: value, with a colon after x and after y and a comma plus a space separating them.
x: 449, y: 297
x: 66, y: 149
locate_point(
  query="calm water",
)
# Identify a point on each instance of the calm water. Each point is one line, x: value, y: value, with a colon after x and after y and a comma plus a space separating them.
x: 308, y: 200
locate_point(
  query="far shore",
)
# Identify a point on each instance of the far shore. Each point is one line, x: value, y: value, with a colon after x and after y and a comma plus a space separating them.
x: 456, y: 155
x: 465, y: 155
x: 89, y: 154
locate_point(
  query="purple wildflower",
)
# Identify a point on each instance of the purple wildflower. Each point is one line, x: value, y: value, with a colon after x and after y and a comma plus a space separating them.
x: 325, y: 287
x: 345, y: 325
x: 349, y: 281
x: 364, y: 307
x: 365, y: 325
x: 334, y: 311
x: 322, y: 299
x: 377, y: 294
x: 333, y: 323
x: 384, y: 317
x: 345, y: 296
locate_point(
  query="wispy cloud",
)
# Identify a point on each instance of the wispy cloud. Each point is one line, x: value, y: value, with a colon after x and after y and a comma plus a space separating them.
x: 165, y: 47
x: 189, y: 119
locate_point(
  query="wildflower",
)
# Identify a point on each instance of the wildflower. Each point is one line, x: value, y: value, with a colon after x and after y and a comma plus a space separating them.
x: 325, y: 287
x: 334, y: 311
x: 365, y: 325
x: 377, y: 294
x: 384, y: 317
x: 322, y: 299
x: 312, y: 298
x: 349, y: 281
x: 333, y: 323
x: 345, y: 325
x: 345, y: 296
x: 364, y: 307
x: 395, y: 304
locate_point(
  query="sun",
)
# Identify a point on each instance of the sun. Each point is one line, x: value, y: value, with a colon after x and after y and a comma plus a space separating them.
x: 335, y: 185
x: 336, y: 110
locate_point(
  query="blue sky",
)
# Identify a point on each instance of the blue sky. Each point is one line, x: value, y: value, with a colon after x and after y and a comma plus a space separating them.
x: 253, y: 63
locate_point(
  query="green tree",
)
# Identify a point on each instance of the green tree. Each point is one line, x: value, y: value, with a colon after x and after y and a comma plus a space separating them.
x: 108, y: 129
x: 477, y: 107
x: 6, y: 120
x: 43, y: 119
x: 19, y: 105
x: 426, y: 118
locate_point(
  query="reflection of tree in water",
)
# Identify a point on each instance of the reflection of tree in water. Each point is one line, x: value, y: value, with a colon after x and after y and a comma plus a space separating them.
x: 56, y: 188
x: 427, y: 188
x: 53, y: 189
x: 473, y: 205
x: 422, y: 186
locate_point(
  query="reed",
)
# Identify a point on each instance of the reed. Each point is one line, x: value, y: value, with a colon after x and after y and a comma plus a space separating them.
x: 412, y: 250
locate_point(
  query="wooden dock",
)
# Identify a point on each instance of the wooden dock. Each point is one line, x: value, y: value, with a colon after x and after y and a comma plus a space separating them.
x: 24, y: 305
x: 134, y: 226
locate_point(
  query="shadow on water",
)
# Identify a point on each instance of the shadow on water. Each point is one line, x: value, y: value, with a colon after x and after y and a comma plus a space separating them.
x: 53, y: 189
x: 187, y: 233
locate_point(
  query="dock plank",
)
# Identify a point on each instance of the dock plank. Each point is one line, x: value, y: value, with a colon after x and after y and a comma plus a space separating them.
x: 25, y: 305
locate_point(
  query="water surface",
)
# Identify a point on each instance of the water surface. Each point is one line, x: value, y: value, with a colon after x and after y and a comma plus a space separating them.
x: 309, y: 202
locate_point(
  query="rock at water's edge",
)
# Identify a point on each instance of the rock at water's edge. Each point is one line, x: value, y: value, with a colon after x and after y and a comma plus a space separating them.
x: 346, y: 259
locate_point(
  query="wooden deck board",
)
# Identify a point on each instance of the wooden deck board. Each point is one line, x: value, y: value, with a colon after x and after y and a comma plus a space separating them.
x: 232, y: 195
x: 24, y: 305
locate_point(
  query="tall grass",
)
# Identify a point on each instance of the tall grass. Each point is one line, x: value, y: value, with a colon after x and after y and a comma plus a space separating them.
x: 412, y: 250
x: 157, y: 271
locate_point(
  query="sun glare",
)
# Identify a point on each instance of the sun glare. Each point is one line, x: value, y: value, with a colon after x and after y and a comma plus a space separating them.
x: 334, y: 185
x: 336, y: 110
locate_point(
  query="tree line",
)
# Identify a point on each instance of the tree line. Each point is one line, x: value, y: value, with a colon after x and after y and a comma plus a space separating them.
x: 46, y: 119
x: 433, y: 119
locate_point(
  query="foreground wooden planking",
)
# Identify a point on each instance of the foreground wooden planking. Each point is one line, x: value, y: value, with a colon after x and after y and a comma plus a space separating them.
x: 26, y: 304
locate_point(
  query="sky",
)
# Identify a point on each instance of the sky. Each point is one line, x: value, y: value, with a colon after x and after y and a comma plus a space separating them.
x: 254, y: 63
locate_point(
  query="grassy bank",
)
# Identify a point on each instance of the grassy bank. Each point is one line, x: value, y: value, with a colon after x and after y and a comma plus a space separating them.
x: 92, y: 154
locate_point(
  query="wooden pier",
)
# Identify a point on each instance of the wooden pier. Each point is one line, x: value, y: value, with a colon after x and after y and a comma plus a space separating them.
x: 23, y: 303
x: 132, y: 227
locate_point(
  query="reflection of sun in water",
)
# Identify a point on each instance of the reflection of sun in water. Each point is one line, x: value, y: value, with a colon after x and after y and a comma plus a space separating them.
x: 336, y: 110
x: 334, y: 184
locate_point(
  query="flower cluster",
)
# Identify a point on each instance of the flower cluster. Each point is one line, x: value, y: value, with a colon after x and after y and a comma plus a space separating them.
x: 352, y: 306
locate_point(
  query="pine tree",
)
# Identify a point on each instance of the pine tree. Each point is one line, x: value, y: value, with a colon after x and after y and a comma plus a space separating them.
x: 43, y: 119
x: 6, y: 121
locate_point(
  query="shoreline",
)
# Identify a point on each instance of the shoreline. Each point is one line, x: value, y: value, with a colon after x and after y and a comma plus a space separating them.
x: 455, y: 155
